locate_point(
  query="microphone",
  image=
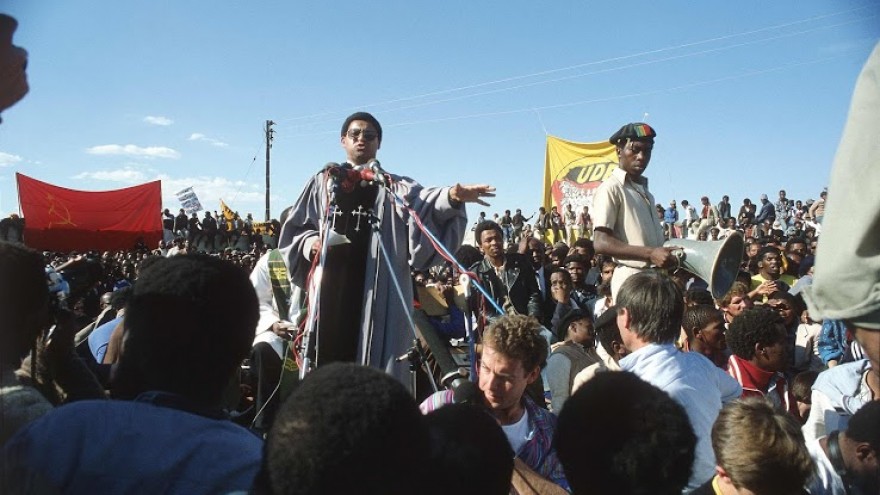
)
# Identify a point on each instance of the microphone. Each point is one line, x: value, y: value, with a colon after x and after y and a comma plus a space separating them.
x: 378, y: 172
x: 349, y: 177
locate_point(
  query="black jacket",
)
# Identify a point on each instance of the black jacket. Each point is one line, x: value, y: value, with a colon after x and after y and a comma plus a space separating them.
x: 519, y: 285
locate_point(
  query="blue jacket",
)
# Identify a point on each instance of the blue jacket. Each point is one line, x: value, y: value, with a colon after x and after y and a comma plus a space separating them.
x: 767, y: 213
x: 154, y: 444
x: 832, y: 340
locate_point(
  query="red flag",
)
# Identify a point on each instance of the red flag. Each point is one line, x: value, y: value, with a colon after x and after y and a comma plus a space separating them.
x: 61, y: 219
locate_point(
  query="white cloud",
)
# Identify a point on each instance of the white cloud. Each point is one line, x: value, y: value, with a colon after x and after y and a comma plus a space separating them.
x: 244, y: 197
x: 211, y: 189
x: 126, y: 175
x: 158, y: 120
x: 198, y: 136
x: 132, y: 150
x: 8, y: 159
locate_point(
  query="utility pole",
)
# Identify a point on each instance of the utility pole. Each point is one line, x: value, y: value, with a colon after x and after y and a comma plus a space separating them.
x: 269, y: 136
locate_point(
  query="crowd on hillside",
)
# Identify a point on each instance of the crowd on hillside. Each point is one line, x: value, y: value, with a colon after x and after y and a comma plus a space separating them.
x: 706, y: 221
x: 218, y: 231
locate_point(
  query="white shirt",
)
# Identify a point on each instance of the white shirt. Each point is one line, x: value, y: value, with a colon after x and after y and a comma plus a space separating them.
x: 539, y: 274
x: 827, y: 415
x: 699, y: 386
x: 262, y: 282
x: 806, y: 350
x: 825, y: 480
x: 518, y: 433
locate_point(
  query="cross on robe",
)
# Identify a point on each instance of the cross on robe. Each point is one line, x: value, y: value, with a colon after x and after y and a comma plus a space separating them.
x: 336, y: 214
x: 359, y: 213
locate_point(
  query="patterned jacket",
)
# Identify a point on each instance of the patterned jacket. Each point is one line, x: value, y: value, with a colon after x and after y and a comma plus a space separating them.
x: 538, y: 452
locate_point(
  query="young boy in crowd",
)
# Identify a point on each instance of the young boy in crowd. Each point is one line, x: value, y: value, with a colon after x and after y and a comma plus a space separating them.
x: 703, y: 326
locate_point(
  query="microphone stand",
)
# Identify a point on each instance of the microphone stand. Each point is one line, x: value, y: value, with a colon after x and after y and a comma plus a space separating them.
x: 317, y: 278
x: 469, y: 329
x: 416, y: 354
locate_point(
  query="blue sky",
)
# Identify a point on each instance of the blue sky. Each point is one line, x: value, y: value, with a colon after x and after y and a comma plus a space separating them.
x: 747, y: 97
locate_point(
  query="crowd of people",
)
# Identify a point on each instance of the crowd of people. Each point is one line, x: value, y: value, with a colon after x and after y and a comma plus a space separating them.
x: 784, y: 218
x: 699, y: 369
x: 718, y: 373
x: 599, y: 366
x: 217, y: 232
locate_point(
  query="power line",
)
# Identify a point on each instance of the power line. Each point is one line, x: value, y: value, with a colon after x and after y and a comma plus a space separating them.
x: 609, y: 98
x: 619, y: 68
x: 248, y: 171
x: 577, y: 66
x: 630, y: 95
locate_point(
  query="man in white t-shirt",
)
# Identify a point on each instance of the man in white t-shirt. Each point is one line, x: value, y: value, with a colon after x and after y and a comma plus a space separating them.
x: 848, y: 461
x: 513, y: 354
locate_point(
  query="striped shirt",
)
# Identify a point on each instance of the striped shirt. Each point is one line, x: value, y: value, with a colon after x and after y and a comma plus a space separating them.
x: 538, y: 452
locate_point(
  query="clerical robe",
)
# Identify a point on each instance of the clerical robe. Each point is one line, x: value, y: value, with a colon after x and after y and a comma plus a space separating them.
x: 382, y: 331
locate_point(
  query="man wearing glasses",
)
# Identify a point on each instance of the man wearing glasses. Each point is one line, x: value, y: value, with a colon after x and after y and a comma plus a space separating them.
x: 360, y: 317
x: 625, y: 223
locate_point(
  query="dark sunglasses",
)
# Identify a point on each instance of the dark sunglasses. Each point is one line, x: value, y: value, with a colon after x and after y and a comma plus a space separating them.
x: 354, y: 134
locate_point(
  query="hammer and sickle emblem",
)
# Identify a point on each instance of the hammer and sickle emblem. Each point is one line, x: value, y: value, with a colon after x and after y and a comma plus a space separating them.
x: 58, y: 210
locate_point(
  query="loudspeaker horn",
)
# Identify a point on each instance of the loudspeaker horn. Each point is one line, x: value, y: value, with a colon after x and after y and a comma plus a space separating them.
x: 716, y: 262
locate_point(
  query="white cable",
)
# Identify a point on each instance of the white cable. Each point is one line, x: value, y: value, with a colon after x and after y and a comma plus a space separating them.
x: 285, y: 346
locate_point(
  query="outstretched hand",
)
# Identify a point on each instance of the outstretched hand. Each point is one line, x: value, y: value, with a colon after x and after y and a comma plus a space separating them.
x: 471, y: 193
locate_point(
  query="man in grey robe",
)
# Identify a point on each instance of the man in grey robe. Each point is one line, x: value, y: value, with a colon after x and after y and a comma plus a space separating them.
x: 361, y: 317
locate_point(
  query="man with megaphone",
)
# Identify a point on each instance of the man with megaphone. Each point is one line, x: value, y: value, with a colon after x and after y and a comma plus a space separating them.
x: 625, y: 224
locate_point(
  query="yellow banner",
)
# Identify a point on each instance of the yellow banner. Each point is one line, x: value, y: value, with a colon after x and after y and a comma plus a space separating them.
x: 228, y: 214
x: 572, y: 172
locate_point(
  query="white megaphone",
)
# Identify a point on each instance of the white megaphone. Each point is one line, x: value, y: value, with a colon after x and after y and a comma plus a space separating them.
x: 716, y: 262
